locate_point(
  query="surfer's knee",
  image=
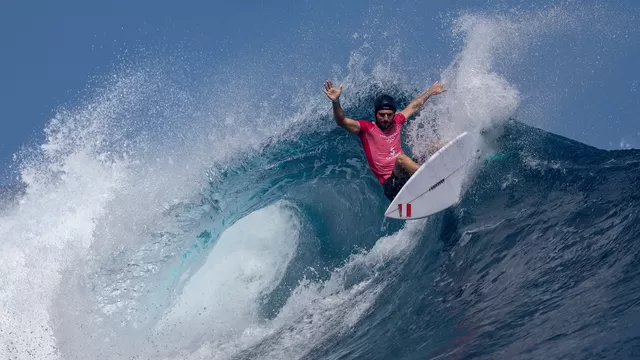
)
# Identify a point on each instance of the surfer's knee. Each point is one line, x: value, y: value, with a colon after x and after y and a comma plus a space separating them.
x: 405, y: 162
x: 402, y: 160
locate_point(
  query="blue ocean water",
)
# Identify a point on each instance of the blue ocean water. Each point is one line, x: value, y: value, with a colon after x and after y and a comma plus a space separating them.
x: 164, y: 225
x: 539, y: 259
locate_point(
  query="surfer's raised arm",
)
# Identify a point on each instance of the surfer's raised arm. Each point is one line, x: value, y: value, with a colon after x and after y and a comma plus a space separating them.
x: 333, y: 94
x: 414, y: 106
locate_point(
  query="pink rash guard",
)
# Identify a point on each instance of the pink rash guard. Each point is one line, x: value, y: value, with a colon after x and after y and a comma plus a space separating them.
x: 381, y: 147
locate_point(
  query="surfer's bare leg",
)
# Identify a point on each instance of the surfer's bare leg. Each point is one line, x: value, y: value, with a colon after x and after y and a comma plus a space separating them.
x: 405, y: 166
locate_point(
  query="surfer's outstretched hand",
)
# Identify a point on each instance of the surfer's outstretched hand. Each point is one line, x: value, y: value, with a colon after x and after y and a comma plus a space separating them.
x: 332, y: 92
x: 437, y: 88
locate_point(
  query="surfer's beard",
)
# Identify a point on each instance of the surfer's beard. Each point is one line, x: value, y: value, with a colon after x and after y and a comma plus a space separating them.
x: 383, y: 125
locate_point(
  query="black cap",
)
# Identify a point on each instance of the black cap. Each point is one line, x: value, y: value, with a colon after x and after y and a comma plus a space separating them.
x: 384, y: 102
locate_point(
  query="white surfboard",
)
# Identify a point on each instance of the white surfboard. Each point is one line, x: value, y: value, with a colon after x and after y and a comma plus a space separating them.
x: 438, y: 182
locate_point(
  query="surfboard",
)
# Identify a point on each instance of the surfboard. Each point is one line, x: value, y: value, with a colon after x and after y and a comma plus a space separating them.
x: 438, y: 182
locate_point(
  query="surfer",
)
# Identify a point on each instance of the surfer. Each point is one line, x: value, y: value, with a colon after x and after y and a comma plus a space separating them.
x: 381, y: 141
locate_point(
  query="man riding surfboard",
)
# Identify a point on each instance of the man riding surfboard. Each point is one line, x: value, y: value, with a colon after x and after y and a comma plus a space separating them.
x: 381, y: 140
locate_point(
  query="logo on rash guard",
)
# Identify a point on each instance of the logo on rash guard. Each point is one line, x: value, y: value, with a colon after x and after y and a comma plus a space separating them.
x: 389, y: 138
x: 392, y: 153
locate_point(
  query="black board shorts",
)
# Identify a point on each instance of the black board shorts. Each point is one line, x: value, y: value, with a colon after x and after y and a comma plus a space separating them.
x: 393, y: 185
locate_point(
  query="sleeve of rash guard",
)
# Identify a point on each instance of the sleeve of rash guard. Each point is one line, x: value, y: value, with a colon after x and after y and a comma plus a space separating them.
x: 399, y: 119
x: 364, y: 126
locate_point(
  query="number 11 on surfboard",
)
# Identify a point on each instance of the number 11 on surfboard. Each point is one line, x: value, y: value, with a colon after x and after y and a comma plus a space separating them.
x: 438, y: 182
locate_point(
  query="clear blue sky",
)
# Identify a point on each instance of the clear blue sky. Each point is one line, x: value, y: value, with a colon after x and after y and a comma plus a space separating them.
x: 52, y: 50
